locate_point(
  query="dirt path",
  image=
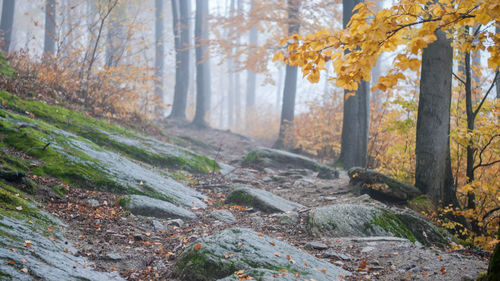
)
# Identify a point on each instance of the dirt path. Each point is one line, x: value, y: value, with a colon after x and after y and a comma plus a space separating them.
x: 145, y: 249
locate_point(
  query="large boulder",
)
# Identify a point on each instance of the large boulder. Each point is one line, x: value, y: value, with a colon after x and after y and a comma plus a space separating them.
x: 29, y: 254
x: 353, y: 220
x: 263, y: 157
x: 261, y: 200
x: 151, y: 207
x: 220, y: 255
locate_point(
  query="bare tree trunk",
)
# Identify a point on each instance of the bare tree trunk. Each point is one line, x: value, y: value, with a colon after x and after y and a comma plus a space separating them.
x: 180, y: 11
x: 290, y: 89
x: 251, y: 75
x: 159, y: 57
x: 6, y: 23
x: 50, y: 28
x: 279, y: 88
x: 202, y: 64
x: 354, y: 142
x: 230, y: 67
x: 433, y: 121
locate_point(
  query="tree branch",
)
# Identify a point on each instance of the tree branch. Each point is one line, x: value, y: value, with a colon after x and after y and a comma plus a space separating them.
x: 459, y: 79
x: 486, y: 95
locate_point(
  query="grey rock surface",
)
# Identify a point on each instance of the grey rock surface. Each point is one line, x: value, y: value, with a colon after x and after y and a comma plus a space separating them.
x: 261, y: 200
x: 223, y: 216
x: 222, y: 254
x: 264, y: 157
x: 47, y: 258
x: 151, y: 207
x: 355, y: 220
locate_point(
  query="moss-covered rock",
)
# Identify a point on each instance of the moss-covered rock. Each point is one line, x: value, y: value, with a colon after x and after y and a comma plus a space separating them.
x: 220, y: 255
x: 344, y: 220
x: 112, y: 137
x: 260, y: 199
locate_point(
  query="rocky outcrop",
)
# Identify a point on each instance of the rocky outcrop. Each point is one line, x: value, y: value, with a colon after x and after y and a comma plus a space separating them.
x: 261, y: 200
x: 221, y: 255
x: 223, y: 216
x: 150, y: 207
x: 347, y: 220
x: 27, y: 253
x: 263, y: 157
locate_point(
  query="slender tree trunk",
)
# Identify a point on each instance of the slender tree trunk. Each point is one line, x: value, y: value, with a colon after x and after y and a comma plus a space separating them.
x: 202, y: 64
x: 497, y: 30
x: 433, y: 121
x: 114, y: 39
x: 290, y: 89
x: 50, y: 28
x: 470, y: 127
x: 180, y: 11
x: 159, y: 57
x: 6, y: 23
x: 230, y: 67
x: 279, y: 88
x: 251, y: 75
x: 354, y: 141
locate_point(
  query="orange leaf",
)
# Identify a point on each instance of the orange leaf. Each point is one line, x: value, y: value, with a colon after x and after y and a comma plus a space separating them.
x: 197, y: 247
x: 11, y: 262
x: 323, y: 271
x: 278, y: 255
x: 260, y: 235
x: 27, y: 243
x: 272, y: 243
x: 443, y: 270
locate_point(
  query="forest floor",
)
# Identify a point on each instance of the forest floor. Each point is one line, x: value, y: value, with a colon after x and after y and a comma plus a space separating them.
x: 141, y: 248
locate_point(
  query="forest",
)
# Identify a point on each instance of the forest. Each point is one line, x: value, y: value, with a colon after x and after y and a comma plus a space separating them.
x: 250, y: 140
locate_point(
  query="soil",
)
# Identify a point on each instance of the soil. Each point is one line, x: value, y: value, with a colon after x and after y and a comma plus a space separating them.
x: 141, y: 248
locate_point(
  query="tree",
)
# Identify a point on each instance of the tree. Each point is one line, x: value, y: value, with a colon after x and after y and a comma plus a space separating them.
x: 251, y: 75
x: 6, y: 23
x: 290, y: 88
x: 433, y: 121
x: 354, y: 53
x: 159, y: 56
x: 180, y: 11
x: 354, y: 145
x: 50, y: 28
x: 202, y: 64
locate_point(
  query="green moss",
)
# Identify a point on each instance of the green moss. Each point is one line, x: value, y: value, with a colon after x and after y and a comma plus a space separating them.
x: 5, y: 68
x: 241, y: 198
x: 60, y: 190
x: 251, y: 158
x: 198, y: 143
x: 391, y: 223
x: 421, y: 204
x: 123, y: 201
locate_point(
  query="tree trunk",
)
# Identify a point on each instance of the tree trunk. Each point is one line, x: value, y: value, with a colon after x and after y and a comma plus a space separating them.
x: 6, y: 23
x: 159, y: 57
x: 50, y: 28
x: 202, y: 64
x: 290, y: 88
x: 230, y: 69
x: 433, y: 121
x: 251, y: 75
x: 180, y: 11
x: 279, y: 88
x: 470, y: 127
x: 354, y: 142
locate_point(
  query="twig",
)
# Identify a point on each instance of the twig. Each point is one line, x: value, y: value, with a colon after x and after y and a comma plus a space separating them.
x: 41, y: 148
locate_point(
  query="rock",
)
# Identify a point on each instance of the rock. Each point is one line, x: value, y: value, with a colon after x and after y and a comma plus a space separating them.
x: 263, y: 157
x: 288, y: 218
x: 220, y: 255
x: 367, y: 249
x: 268, y: 171
x: 260, y: 200
x: 113, y: 257
x: 303, y: 183
x: 316, y: 245
x: 347, y: 220
x: 49, y: 257
x: 158, y: 226
x: 176, y: 222
x: 223, y: 215
x: 12, y: 175
x: 93, y: 203
x: 151, y: 207
x: 226, y: 169
x: 329, y: 254
x: 327, y: 173
x: 295, y: 172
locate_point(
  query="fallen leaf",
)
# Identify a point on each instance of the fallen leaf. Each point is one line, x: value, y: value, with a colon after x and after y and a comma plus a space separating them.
x: 278, y: 255
x: 197, y: 247
x: 24, y: 269
x: 443, y: 270
x: 272, y: 243
x: 50, y: 228
x: 27, y: 243
x: 11, y: 262
x: 323, y: 271
x: 19, y: 208
x: 260, y: 235
x: 227, y: 255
